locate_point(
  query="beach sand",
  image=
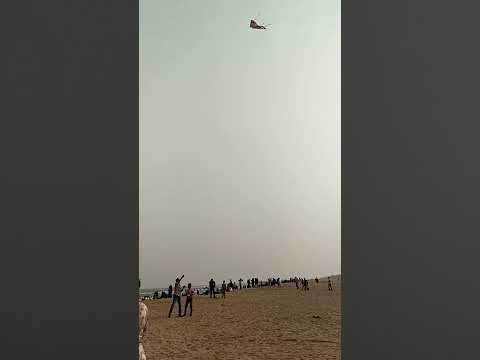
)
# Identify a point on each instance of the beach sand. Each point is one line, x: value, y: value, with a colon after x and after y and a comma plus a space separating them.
x: 263, y: 323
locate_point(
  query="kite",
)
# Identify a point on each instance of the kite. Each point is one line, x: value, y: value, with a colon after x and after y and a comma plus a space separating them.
x: 254, y: 25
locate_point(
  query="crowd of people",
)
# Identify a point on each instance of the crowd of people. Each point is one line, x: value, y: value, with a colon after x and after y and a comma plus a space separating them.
x: 175, y: 292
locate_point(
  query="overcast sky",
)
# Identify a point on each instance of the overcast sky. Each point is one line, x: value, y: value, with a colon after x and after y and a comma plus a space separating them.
x: 239, y: 140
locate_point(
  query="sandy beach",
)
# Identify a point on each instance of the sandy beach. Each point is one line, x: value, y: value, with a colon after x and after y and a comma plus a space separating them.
x: 262, y: 323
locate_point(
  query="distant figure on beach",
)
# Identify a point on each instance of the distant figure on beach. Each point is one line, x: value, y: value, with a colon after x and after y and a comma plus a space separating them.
x: 278, y: 282
x: 248, y: 283
x: 240, y: 281
x: 189, y: 299
x: 253, y: 283
x: 224, y: 289
x: 170, y: 291
x: 256, y: 282
x: 329, y: 285
x: 212, y: 288
x: 177, y: 293
x: 296, y: 282
x: 142, y: 327
x: 316, y: 280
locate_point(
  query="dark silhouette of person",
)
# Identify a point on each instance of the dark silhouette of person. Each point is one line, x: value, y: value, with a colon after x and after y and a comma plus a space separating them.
x: 189, y: 299
x: 330, y: 288
x: 224, y: 289
x: 248, y: 283
x: 240, y: 281
x: 170, y: 291
x: 212, y: 288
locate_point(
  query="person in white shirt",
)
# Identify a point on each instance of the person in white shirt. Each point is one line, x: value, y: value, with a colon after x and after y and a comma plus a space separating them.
x: 177, y: 293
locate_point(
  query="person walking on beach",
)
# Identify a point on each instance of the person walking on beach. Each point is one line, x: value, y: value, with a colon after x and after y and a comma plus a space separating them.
x: 248, y: 283
x: 177, y: 293
x: 224, y: 289
x: 240, y: 281
x: 190, y: 293
x: 329, y: 285
x: 296, y: 282
x: 142, y: 327
x: 212, y: 288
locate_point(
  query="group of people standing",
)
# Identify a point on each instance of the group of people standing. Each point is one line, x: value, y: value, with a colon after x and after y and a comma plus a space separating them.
x: 305, y: 286
x: 303, y: 282
x: 212, y: 288
x: 232, y: 285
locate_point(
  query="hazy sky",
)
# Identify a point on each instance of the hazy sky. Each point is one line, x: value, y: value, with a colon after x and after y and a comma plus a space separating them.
x: 239, y: 140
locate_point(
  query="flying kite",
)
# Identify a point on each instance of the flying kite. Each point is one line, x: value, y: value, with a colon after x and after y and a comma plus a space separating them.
x: 254, y: 25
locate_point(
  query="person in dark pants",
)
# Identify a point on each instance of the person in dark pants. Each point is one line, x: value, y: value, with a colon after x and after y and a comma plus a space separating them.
x: 248, y: 283
x: 189, y: 299
x: 329, y: 285
x: 224, y: 289
x: 177, y: 293
x: 212, y: 288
